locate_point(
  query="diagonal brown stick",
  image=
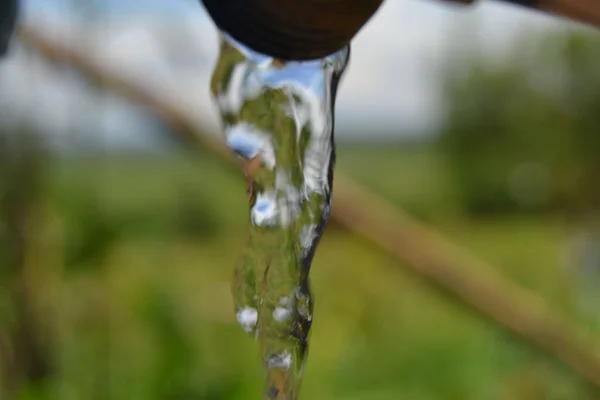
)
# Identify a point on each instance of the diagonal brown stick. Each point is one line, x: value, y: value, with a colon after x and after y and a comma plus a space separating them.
x: 442, y: 264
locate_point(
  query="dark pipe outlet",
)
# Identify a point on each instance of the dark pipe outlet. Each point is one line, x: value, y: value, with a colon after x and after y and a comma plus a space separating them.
x: 292, y: 29
x: 309, y: 29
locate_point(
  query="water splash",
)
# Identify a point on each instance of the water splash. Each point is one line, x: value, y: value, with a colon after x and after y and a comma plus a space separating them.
x: 278, y: 117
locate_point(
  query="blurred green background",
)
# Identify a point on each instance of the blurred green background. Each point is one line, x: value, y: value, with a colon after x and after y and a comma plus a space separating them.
x: 116, y: 267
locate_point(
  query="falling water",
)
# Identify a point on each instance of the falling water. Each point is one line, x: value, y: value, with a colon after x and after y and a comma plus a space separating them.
x: 278, y: 117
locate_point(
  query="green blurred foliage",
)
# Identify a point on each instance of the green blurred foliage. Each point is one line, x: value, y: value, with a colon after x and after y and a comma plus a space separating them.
x: 523, y: 136
x: 25, y: 351
x: 154, y: 319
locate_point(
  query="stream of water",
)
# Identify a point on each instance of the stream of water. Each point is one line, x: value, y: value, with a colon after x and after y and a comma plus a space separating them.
x: 279, y: 119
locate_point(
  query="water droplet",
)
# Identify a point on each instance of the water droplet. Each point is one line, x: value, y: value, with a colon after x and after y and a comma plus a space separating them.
x: 281, y: 314
x: 283, y: 361
x: 247, y: 317
x: 279, y: 116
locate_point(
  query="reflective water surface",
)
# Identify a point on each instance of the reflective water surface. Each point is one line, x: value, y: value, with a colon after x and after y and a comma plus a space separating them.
x: 279, y: 118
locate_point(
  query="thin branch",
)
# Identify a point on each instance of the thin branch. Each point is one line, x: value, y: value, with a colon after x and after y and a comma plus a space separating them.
x: 443, y: 265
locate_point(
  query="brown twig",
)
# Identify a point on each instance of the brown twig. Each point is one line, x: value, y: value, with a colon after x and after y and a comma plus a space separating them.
x: 443, y: 265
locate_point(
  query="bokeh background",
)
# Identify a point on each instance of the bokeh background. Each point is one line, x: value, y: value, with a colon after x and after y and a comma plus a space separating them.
x: 117, y: 243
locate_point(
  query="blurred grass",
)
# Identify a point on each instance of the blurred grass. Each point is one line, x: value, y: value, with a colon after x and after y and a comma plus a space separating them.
x: 152, y: 317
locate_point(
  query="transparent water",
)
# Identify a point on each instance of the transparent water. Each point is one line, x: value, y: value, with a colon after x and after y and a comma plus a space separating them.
x: 279, y: 118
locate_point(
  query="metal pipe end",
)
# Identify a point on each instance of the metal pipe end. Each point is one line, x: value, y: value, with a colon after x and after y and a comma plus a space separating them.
x: 292, y: 29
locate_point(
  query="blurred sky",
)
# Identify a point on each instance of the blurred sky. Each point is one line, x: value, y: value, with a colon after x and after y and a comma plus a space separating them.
x: 391, y: 87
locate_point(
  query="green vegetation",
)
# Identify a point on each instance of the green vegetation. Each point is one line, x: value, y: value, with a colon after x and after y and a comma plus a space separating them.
x: 143, y: 308
x: 524, y: 136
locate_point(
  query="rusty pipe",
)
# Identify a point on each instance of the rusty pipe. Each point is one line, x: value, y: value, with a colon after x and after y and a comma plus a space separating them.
x: 309, y: 29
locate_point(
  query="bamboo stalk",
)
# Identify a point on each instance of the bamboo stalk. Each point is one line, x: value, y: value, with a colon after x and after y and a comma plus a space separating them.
x: 443, y: 265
